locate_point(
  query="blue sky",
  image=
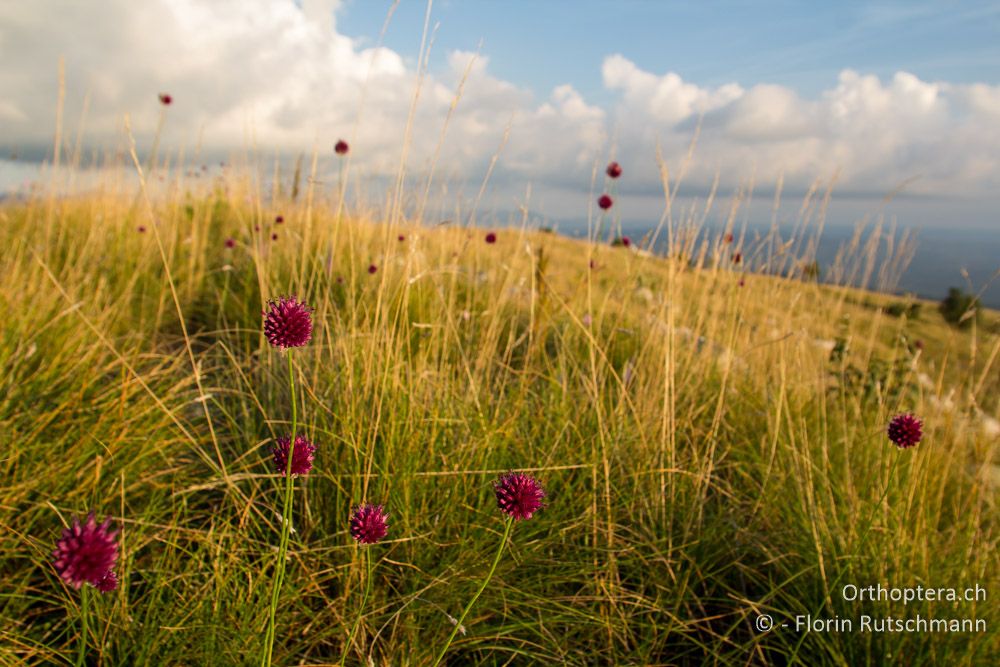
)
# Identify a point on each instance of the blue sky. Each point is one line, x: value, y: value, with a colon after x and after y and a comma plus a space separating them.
x: 802, y: 45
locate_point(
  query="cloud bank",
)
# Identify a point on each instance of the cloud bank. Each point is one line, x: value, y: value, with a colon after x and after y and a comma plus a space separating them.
x: 281, y: 77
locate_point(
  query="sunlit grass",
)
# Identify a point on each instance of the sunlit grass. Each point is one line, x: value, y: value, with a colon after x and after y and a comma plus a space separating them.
x: 711, y: 450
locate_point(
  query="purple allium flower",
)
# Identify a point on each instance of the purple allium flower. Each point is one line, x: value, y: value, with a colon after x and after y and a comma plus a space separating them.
x: 372, y: 268
x: 518, y: 495
x: 86, y: 554
x: 728, y: 238
x: 919, y: 344
x: 905, y: 430
x: 230, y: 243
x: 401, y: 238
x: 142, y: 229
x: 742, y: 282
x: 605, y: 202
x: 287, y: 322
x: 274, y: 236
x: 279, y: 219
x: 368, y: 524
x: 341, y: 147
x: 614, y: 170
x: 737, y: 257
x: 491, y: 237
x: 165, y: 99
x: 302, y: 455
x: 108, y: 582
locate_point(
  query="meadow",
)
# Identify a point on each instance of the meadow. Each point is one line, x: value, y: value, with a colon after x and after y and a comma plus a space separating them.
x: 711, y: 440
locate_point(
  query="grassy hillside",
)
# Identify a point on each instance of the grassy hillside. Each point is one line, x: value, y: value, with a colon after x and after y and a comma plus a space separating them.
x: 712, y: 442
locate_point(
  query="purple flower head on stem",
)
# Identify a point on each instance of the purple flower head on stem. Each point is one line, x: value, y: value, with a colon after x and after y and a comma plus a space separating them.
x: 341, y: 147
x: 491, y: 237
x: 519, y: 495
x: 166, y: 99
x: 614, y: 170
x: 605, y: 201
x: 905, y: 430
x: 86, y: 554
x: 287, y: 323
x: 108, y: 582
x: 302, y: 455
x: 368, y: 523
x: 230, y: 243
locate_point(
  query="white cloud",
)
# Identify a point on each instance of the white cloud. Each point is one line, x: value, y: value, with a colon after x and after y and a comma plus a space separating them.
x: 281, y: 75
x: 875, y: 134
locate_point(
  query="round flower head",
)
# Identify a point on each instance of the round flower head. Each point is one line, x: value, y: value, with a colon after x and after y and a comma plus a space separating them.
x: 302, y: 455
x: 287, y: 323
x: 605, y: 202
x: 737, y: 257
x: 491, y: 237
x: 368, y: 524
x: 86, y: 554
x: 341, y: 147
x: 614, y: 170
x: 728, y: 238
x: 108, y: 582
x: 166, y: 99
x: 142, y: 229
x: 372, y: 268
x: 401, y: 238
x: 279, y: 219
x: 230, y: 243
x: 905, y: 430
x: 518, y: 495
x: 274, y: 236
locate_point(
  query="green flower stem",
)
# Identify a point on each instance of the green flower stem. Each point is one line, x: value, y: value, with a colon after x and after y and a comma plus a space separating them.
x: 857, y: 550
x: 286, y: 523
x: 364, y: 600
x: 84, y: 597
x: 461, y: 619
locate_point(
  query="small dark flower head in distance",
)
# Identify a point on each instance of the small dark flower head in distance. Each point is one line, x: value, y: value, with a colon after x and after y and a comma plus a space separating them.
x: 905, y: 430
x: 614, y: 170
x: 605, y: 201
x: 341, y: 147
